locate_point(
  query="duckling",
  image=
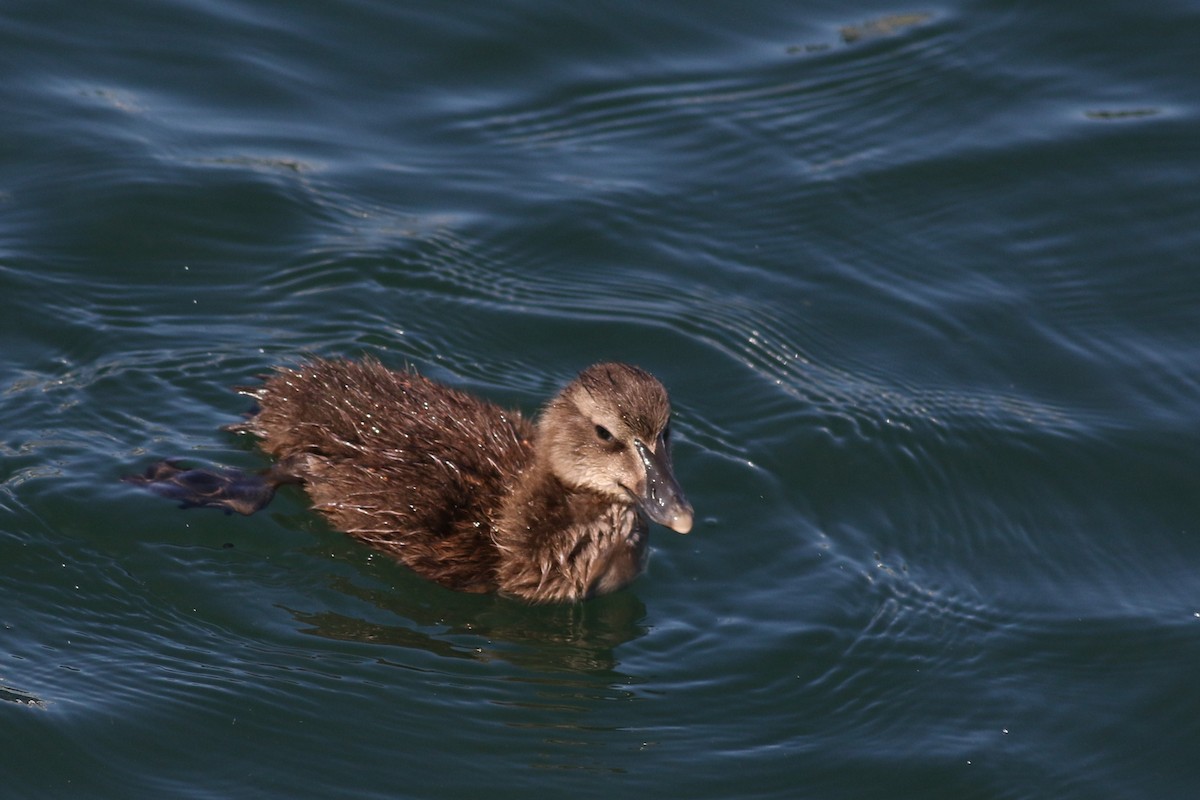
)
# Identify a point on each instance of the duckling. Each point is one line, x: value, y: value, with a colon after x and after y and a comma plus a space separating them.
x: 463, y: 492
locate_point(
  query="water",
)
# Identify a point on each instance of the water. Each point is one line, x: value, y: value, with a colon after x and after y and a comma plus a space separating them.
x: 919, y: 279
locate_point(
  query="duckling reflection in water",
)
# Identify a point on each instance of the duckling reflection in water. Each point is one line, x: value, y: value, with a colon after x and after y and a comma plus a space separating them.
x: 460, y: 490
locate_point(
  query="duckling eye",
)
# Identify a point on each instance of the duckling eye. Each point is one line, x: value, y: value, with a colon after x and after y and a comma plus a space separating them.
x: 603, y: 434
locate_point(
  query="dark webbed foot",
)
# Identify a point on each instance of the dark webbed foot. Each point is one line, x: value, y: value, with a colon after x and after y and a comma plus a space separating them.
x: 217, y: 487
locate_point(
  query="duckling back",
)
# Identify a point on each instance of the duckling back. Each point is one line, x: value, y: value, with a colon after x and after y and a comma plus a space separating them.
x: 407, y: 465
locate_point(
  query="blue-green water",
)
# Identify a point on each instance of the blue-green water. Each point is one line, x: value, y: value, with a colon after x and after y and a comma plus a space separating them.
x: 921, y: 279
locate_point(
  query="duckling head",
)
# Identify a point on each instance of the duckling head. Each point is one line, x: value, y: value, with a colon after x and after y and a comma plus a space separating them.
x: 609, y: 431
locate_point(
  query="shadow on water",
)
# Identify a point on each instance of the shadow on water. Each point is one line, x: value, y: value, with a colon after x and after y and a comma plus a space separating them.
x: 580, y: 637
x: 550, y: 675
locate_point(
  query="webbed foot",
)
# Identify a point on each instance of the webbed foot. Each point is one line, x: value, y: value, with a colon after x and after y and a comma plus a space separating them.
x: 217, y: 487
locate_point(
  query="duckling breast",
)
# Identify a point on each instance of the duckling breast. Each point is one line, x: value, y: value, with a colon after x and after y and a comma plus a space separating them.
x: 558, y: 545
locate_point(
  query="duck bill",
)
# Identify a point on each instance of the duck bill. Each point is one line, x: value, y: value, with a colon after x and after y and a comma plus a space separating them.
x: 663, y: 500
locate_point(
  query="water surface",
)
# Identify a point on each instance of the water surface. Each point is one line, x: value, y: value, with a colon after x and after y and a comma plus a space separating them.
x: 919, y: 279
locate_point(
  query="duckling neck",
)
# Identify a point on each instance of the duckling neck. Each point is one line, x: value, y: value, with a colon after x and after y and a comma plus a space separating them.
x: 561, y: 543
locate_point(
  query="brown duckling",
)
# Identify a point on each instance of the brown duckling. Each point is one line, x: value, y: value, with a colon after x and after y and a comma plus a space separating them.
x: 462, y: 491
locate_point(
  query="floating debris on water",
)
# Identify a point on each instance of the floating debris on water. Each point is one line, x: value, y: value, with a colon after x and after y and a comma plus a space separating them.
x: 872, y: 29
x: 1121, y: 113
x: 884, y: 26
x: 21, y: 698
